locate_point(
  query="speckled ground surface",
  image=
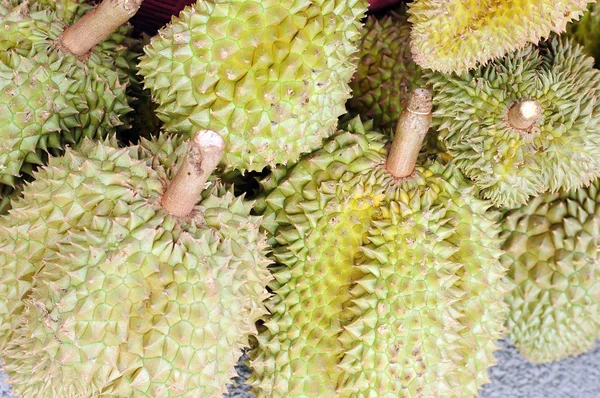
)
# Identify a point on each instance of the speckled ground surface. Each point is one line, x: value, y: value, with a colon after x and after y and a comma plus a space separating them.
x: 513, y: 377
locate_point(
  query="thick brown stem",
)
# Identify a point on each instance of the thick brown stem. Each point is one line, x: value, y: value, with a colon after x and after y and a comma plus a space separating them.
x: 524, y: 114
x: 204, y: 154
x: 97, y: 24
x: 411, y: 129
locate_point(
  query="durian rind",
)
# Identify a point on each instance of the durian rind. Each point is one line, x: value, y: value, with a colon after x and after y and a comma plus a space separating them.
x: 562, y: 148
x: 67, y: 11
x: 456, y: 35
x: 342, y: 299
x: 270, y: 77
x: 111, y: 295
x: 50, y: 98
x: 552, y: 247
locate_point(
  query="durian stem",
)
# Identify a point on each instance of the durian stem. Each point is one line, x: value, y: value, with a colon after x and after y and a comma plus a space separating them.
x: 524, y: 114
x: 97, y: 24
x: 205, y: 153
x: 411, y: 130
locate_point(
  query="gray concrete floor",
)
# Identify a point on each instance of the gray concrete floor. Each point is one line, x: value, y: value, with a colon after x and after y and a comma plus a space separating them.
x: 513, y: 377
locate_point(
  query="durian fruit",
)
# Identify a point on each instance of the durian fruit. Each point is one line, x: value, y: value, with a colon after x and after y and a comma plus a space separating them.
x: 386, y: 73
x: 117, y: 283
x: 57, y: 83
x: 388, y: 280
x: 523, y: 125
x: 586, y: 31
x: 456, y: 35
x: 141, y: 121
x: 270, y: 77
x: 553, y: 255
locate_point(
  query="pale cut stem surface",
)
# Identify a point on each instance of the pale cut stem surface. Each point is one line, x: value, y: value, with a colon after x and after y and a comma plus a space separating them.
x: 524, y: 114
x: 97, y: 24
x: 204, y: 154
x: 411, y: 130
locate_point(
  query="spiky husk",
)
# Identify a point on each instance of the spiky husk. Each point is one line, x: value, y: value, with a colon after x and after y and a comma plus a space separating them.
x: 553, y: 254
x: 386, y: 73
x: 586, y: 31
x: 383, y: 285
x: 67, y: 11
x: 457, y: 35
x: 48, y: 97
x: 561, y: 150
x: 270, y: 76
x: 107, y: 294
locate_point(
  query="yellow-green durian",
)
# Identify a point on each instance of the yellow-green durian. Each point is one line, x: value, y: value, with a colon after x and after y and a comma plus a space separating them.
x: 270, y: 76
x: 108, y: 292
x: 50, y: 97
x: 385, y: 286
x: 525, y: 124
x: 552, y: 249
x: 458, y: 35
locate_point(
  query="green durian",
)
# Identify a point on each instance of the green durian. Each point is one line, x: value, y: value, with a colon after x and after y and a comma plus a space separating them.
x: 141, y: 121
x: 270, y: 76
x: 110, y: 290
x: 385, y: 286
x: 458, y: 35
x: 523, y: 125
x: 50, y: 97
x: 386, y: 73
x: 586, y: 31
x: 553, y: 255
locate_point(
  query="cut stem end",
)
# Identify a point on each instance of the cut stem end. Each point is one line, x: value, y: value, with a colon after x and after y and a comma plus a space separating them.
x: 97, y: 24
x: 204, y: 154
x: 411, y: 130
x: 522, y: 115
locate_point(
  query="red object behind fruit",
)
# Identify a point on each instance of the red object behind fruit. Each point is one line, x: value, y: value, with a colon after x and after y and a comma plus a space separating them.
x: 153, y: 14
x: 375, y: 5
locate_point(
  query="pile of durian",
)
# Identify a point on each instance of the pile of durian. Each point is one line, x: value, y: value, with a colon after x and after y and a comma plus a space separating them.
x: 368, y: 202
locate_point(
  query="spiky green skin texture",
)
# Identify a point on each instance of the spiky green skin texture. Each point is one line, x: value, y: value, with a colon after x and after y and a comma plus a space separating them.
x: 66, y: 10
x: 48, y: 97
x: 560, y: 151
x: 105, y: 293
x: 586, y: 31
x: 384, y: 287
x: 386, y: 73
x: 552, y: 251
x: 455, y: 35
x: 270, y: 76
